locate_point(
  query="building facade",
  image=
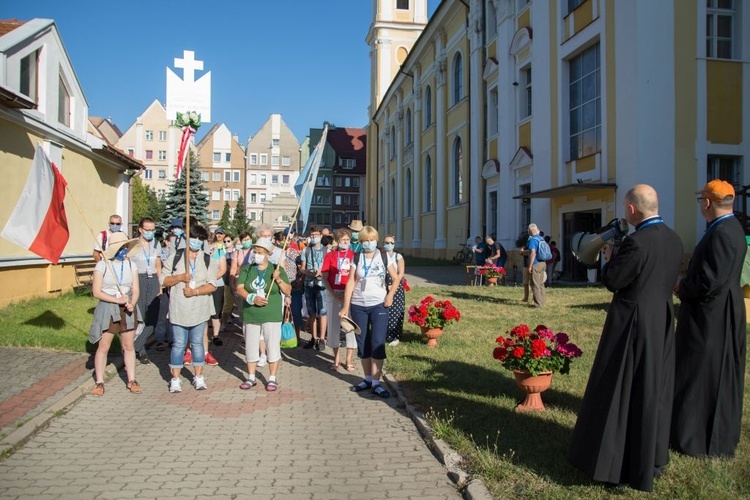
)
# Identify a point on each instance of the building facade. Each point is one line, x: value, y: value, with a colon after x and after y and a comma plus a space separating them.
x: 518, y: 111
x: 349, y: 146
x: 222, y: 163
x: 42, y: 102
x: 272, y: 165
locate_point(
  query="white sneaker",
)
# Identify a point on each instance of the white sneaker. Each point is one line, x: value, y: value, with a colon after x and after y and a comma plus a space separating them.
x: 263, y: 361
x: 175, y: 385
x: 394, y: 343
x: 199, y: 383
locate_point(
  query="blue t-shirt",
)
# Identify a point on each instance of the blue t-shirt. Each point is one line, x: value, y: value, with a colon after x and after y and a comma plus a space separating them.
x: 533, y: 244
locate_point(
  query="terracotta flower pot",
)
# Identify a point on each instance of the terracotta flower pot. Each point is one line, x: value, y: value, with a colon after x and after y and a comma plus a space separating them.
x: 492, y: 281
x: 533, y: 387
x: 432, y: 335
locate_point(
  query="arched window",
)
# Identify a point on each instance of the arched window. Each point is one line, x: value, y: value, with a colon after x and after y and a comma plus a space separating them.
x: 458, y: 78
x: 458, y: 161
x: 427, y: 184
x: 407, y: 194
x: 407, y: 127
x: 427, y: 110
x: 393, y: 142
x: 392, y: 199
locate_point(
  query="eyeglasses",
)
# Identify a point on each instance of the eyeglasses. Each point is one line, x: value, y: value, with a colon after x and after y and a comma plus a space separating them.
x: 700, y: 198
x: 227, y: 241
x: 389, y: 242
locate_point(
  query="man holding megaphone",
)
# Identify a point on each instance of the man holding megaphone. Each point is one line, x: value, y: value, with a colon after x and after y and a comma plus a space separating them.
x: 622, y: 431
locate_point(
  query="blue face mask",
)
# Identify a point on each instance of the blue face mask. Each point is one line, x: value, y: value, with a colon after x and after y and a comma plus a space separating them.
x: 369, y: 246
x: 389, y: 247
x: 113, y: 228
x: 121, y: 253
x: 178, y: 232
x: 355, y: 236
x: 148, y: 235
x: 195, y: 244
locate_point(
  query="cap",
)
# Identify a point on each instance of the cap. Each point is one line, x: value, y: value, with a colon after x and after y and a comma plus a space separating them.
x: 264, y: 243
x: 219, y: 230
x: 718, y: 191
x: 288, y: 230
x: 177, y: 222
x: 348, y: 325
x: 356, y: 225
x: 116, y: 242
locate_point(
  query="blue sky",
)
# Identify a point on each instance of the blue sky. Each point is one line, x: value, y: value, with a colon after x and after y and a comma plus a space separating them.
x: 305, y: 59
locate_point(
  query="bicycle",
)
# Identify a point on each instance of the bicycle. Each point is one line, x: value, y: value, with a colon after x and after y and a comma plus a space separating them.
x: 463, y: 256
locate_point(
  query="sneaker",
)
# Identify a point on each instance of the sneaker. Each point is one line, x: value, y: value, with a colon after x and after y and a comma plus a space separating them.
x: 187, y: 360
x: 394, y: 343
x: 217, y: 341
x: 175, y: 385
x: 322, y: 345
x: 199, y: 383
x: 210, y: 360
x: 317, y: 344
x: 143, y: 358
x: 263, y: 361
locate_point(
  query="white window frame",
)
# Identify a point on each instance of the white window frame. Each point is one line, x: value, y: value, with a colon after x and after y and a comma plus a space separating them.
x: 286, y: 161
x: 162, y: 135
x: 584, y: 133
x: 263, y: 159
x: 253, y: 158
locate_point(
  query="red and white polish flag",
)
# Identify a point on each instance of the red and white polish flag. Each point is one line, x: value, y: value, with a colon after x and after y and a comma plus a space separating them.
x: 187, y: 133
x: 38, y: 223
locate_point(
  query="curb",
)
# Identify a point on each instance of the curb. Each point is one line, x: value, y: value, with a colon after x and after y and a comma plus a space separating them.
x: 470, y: 488
x: 16, y: 439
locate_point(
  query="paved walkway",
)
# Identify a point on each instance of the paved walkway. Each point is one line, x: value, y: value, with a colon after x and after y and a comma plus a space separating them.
x: 311, y: 439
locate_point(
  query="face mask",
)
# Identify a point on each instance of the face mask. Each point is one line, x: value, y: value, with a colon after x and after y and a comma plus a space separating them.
x: 178, y: 232
x: 343, y: 246
x: 389, y: 247
x: 247, y: 244
x: 369, y: 246
x: 121, y: 253
x: 148, y: 235
x: 355, y: 236
x: 113, y: 228
x: 315, y: 241
x: 259, y: 259
x: 195, y: 244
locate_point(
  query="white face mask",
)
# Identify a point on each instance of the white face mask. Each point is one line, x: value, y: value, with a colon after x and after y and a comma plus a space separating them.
x: 344, y: 246
x: 259, y: 259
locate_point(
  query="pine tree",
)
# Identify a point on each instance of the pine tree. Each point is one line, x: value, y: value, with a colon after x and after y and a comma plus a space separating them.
x: 240, y: 222
x: 175, y: 200
x: 226, y: 222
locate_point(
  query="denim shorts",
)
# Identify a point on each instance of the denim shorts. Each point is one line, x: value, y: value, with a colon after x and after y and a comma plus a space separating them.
x: 316, y: 301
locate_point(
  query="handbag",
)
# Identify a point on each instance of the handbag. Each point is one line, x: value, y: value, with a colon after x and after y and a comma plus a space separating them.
x: 288, y: 335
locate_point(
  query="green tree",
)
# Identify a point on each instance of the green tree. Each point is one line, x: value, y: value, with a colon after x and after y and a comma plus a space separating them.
x: 226, y: 222
x: 175, y: 199
x: 240, y: 222
x: 140, y: 200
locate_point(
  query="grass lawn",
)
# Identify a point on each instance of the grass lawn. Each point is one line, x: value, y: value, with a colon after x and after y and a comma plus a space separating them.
x: 469, y: 399
x: 467, y: 395
x: 60, y: 323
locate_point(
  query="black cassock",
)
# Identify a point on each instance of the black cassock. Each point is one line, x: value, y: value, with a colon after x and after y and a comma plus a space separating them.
x: 622, y: 431
x: 710, y: 346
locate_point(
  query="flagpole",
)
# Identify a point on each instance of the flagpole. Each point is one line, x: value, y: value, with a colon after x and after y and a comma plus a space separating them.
x: 108, y: 263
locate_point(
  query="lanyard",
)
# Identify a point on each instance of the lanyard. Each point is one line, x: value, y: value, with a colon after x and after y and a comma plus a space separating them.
x: 717, y: 220
x: 340, y: 259
x: 655, y: 220
x: 192, y: 267
x: 317, y: 257
x: 260, y: 282
x: 122, y: 272
x: 365, y: 266
x: 148, y: 256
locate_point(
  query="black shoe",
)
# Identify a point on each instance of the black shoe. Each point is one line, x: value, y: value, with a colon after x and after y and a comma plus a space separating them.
x: 217, y: 341
x: 317, y: 344
x: 310, y: 344
x: 143, y: 358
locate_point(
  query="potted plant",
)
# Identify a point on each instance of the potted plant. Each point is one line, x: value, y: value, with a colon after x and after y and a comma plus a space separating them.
x: 432, y: 316
x: 533, y: 356
x: 491, y: 272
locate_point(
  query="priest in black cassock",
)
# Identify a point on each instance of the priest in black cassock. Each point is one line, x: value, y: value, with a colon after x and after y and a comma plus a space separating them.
x: 711, y: 337
x: 622, y: 432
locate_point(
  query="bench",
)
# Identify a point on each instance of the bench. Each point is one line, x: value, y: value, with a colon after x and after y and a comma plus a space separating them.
x: 84, y: 275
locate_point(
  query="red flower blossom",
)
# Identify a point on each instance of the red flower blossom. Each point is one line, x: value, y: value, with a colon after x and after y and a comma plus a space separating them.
x: 433, y: 313
x: 536, y: 351
x: 518, y: 352
x: 537, y: 348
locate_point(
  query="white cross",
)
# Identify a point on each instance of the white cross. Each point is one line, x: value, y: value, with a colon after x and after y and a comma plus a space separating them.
x: 188, y: 65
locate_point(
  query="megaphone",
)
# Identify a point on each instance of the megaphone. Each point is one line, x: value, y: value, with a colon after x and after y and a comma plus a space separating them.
x: 586, y: 246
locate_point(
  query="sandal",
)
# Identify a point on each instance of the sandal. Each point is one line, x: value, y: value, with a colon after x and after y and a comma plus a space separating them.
x: 98, y: 389
x: 379, y: 391
x: 247, y: 384
x: 362, y: 386
x: 350, y: 368
x: 133, y: 386
x: 335, y: 367
x: 272, y: 386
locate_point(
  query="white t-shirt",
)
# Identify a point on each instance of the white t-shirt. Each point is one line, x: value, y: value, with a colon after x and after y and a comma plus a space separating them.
x: 145, y: 258
x: 121, y: 272
x: 369, y: 289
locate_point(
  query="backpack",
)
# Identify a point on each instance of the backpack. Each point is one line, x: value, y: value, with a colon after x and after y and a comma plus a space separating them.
x: 104, y: 240
x: 179, y: 253
x: 544, y: 252
x: 384, y: 256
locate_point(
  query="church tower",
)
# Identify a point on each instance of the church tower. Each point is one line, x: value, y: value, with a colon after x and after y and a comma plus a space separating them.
x: 395, y: 28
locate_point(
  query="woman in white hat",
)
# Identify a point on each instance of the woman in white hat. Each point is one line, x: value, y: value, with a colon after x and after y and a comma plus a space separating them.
x: 115, y: 284
x: 260, y: 286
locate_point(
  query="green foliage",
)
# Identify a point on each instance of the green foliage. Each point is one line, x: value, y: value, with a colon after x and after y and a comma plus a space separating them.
x: 240, y: 222
x: 226, y: 222
x: 175, y: 199
x: 145, y: 202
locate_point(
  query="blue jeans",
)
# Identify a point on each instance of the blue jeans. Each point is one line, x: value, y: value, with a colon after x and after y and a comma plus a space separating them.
x: 297, y: 295
x: 371, y: 342
x: 181, y: 335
